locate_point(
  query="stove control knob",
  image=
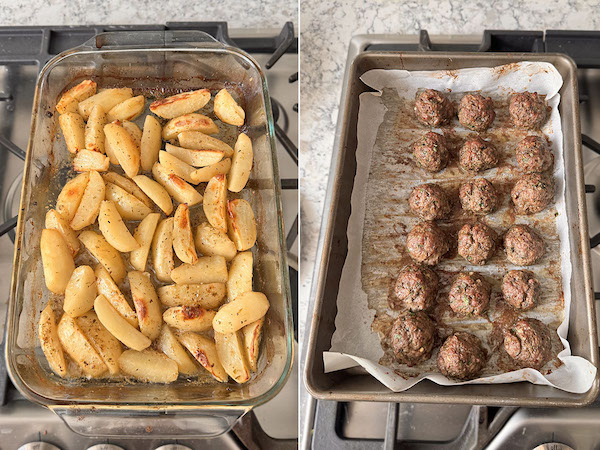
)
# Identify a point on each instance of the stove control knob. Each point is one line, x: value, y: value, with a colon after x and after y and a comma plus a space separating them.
x: 173, y: 447
x: 553, y: 446
x: 38, y: 446
x: 105, y: 447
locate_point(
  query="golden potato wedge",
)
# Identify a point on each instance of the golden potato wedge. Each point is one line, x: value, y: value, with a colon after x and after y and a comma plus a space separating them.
x: 80, y: 292
x: 124, y: 148
x: 208, y: 269
x: 245, y: 309
x: 197, y: 140
x: 188, y: 122
x: 146, y: 303
x: 77, y: 346
x: 110, y: 152
x: 204, y: 350
x: 73, y: 128
x: 89, y: 207
x: 252, y: 334
x: 107, y: 287
x: 129, y: 109
x: 69, y: 100
x: 227, y: 109
x: 232, y: 353
x: 183, y: 241
x: 204, y: 174
x: 180, y: 104
x: 155, y: 192
x: 149, y: 366
x: 88, y: 160
x: 129, y: 206
x: 135, y: 132
x: 213, y: 242
x: 128, y: 185
x: 151, y: 143
x: 70, y: 197
x: 105, y: 254
x: 118, y: 326
x: 215, y: 202
x: 170, y: 346
x: 57, y: 261
x: 178, y: 167
x: 240, y: 275
x: 94, y: 129
x: 175, y: 186
x: 196, y: 158
x: 189, y: 318
x: 114, y: 229
x: 50, y: 343
x: 55, y: 221
x: 241, y: 164
x: 143, y: 235
x: 108, y: 347
x: 108, y: 99
x: 162, y: 250
x: 207, y: 296
x: 241, y: 225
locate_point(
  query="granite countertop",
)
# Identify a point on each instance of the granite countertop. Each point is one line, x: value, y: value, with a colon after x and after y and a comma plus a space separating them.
x: 326, y: 29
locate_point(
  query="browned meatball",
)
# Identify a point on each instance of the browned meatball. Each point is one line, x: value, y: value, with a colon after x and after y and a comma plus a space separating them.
x: 415, y: 288
x: 534, y: 155
x: 433, y: 108
x: 477, y: 155
x: 476, y: 112
x: 477, y: 243
x: 427, y: 243
x: 429, y: 202
x: 431, y: 152
x: 532, y: 193
x: 412, y: 338
x: 478, y: 196
x: 469, y: 294
x: 523, y: 246
x: 528, y: 342
x: 528, y: 110
x: 462, y: 356
x: 520, y: 289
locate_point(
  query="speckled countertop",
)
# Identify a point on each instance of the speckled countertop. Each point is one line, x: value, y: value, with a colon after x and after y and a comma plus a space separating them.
x: 326, y: 29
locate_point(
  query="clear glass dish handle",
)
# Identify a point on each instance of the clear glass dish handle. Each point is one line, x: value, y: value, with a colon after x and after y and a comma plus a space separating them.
x: 203, y: 423
x: 159, y: 38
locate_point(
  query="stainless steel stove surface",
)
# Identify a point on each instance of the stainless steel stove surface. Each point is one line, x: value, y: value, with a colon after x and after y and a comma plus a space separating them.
x: 273, y: 425
x: 363, y: 425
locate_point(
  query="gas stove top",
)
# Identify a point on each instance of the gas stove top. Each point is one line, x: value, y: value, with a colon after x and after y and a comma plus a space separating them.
x: 363, y: 425
x: 23, y: 52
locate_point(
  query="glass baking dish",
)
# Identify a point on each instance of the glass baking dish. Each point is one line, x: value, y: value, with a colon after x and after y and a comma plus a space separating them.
x: 156, y: 64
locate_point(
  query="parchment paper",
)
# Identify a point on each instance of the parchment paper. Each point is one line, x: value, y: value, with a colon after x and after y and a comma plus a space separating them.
x: 381, y: 219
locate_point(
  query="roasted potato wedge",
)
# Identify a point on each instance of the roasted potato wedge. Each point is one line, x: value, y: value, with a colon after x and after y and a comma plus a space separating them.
x: 213, y: 242
x: 108, y: 347
x: 108, y: 99
x: 197, y: 140
x: 156, y: 192
x: 204, y: 174
x: 57, y: 261
x: 89, y: 207
x: 114, y: 229
x: 129, y: 109
x: 128, y: 206
x: 232, y: 355
x: 135, y: 132
x: 204, y: 350
x: 124, y: 148
x: 227, y: 109
x: 170, y: 346
x: 175, y: 186
x: 70, y: 197
x: 79, y: 348
x: 240, y: 275
x: 143, y: 235
x: 188, y: 122
x: 69, y: 100
x: 80, y: 292
x: 241, y: 163
x: 178, y: 167
x: 128, y: 185
x: 151, y: 143
x: 180, y: 104
x: 146, y: 303
x: 196, y: 158
x: 215, y: 202
x: 73, y: 128
x: 118, y: 326
x: 149, y: 366
x: 162, y: 250
x: 107, y: 287
x: 94, y: 129
x: 88, y: 160
x: 252, y: 334
x: 245, y: 309
x: 241, y: 224
x: 189, y: 318
x: 55, y: 221
x: 208, y: 269
x: 105, y: 254
x: 207, y: 296
x: 183, y: 241
x: 50, y: 342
